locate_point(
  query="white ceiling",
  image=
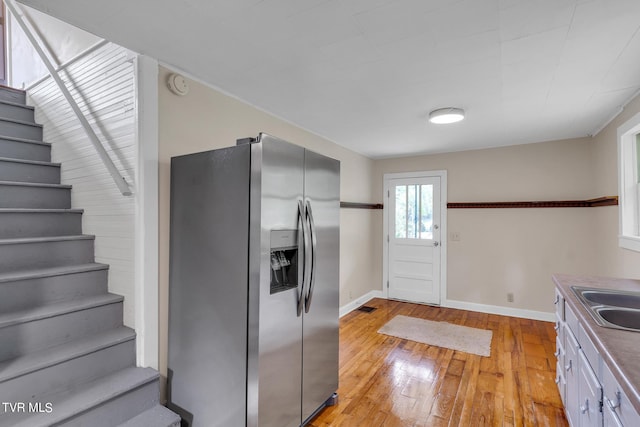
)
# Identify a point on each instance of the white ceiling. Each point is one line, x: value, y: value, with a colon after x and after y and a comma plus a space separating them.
x: 366, y: 73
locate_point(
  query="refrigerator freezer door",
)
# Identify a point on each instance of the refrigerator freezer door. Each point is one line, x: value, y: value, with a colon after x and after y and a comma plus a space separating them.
x: 320, y: 323
x: 208, y: 287
x: 277, y: 167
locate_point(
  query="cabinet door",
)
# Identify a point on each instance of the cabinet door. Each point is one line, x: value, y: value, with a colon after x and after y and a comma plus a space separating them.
x: 560, y: 380
x: 590, y: 392
x: 611, y: 419
x: 571, y: 348
x: 616, y: 401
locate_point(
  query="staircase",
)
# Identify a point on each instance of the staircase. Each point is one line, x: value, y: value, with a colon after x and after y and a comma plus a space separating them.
x: 65, y: 357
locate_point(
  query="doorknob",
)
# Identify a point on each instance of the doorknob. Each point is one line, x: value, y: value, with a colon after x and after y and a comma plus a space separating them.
x: 435, y: 226
x: 436, y: 243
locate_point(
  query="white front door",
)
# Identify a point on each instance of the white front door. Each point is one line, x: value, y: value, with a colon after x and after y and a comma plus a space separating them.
x: 414, y: 249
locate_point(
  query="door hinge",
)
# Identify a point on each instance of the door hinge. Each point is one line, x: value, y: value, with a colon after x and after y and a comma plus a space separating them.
x: 387, y: 283
x: 387, y: 238
x: 388, y: 194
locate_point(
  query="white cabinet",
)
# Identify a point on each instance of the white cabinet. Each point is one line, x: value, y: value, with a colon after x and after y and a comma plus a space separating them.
x: 611, y: 419
x: 571, y: 375
x: 618, y: 408
x: 590, y: 393
x: 560, y: 377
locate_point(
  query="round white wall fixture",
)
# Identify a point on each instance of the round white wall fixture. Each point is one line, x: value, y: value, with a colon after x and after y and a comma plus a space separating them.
x: 446, y: 115
x: 177, y: 84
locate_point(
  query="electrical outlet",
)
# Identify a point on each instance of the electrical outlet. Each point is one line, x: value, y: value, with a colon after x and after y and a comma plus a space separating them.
x: 510, y: 297
x: 455, y: 236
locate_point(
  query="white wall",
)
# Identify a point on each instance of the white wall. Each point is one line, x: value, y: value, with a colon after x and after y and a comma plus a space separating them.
x: 206, y: 119
x: 64, y: 41
x: 512, y: 250
x: 103, y: 85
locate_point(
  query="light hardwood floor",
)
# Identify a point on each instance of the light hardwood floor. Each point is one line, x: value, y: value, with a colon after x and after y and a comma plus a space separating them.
x: 387, y: 381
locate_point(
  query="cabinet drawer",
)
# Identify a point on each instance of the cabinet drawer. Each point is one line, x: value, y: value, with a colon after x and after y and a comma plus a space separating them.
x: 616, y: 400
x: 559, y: 303
x: 572, y: 320
x: 590, y: 351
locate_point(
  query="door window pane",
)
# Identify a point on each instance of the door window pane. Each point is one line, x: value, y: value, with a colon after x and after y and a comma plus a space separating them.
x: 426, y: 211
x: 401, y: 212
x: 414, y: 211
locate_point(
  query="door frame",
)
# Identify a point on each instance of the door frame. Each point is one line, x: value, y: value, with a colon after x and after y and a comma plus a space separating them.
x: 387, y: 177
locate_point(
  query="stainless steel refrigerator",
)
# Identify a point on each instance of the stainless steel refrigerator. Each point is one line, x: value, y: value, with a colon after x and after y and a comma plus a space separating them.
x: 253, y: 292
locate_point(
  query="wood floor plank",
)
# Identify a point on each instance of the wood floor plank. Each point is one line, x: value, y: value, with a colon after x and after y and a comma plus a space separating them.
x: 387, y: 381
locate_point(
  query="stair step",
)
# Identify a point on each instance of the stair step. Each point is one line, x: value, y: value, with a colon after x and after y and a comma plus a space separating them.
x: 27, y: 289
x: 35, y: 329
x: 52, y: 356
x: 13, y: 95
x: 19, y: 170
x: 105, y: 402
x: 69, y: 365
x: 40, y: 222
x: 37, y: 196
x: 27, y: 149
x: 158, y: 416
x: 20, y: 129
x: 16, y: 111
x: 42, y: 252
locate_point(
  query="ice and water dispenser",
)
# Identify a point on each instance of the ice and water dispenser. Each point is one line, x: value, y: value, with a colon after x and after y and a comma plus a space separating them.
x: 284, y: 260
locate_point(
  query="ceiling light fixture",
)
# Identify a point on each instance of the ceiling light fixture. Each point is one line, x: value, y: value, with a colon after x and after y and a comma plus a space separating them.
x: 446, y: 115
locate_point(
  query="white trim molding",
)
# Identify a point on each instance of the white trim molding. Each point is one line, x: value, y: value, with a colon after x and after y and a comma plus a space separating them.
x: 146, y: 246
x: 442, y: 174
x: 628, y: 187
x: 348, y: 308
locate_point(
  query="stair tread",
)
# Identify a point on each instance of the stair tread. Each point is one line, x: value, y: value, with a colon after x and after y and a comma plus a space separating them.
x: 12, y: 89
x: 80, y: 399
x: 20, y: 122
x: 56, y: 309
x: 17, y: 104
x: 35, y: 210
x: 60, y: 353
x: 22, y: 240
x: 51, y: 271
x: 25, y: 140
x: 34, y: 184
x: 158, y: 416
x: 29, y: 162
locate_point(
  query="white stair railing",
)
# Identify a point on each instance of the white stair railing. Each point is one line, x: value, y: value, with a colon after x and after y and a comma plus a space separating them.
x: 39, y: 47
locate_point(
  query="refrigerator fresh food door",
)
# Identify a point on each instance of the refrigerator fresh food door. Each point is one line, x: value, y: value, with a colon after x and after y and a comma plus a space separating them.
x: 320, y: 320
x: 277, y: 170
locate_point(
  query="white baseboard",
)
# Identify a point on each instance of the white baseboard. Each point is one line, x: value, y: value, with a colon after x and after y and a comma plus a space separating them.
x: 497, y: 309
x: 348, y: 308
x: 461, y: 305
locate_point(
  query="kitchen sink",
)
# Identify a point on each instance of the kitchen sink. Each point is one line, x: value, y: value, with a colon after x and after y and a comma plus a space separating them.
x: 622, y: 317
x: 611, y: 308
x: 614, y: 298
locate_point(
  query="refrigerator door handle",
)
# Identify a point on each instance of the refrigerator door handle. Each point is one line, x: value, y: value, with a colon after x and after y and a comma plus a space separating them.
x: 312, y: 279
x: 305, y: 243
